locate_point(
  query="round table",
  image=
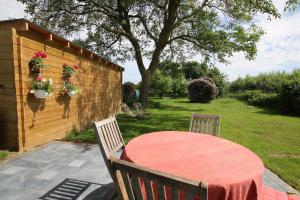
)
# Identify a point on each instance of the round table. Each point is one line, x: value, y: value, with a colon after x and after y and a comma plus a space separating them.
x: 232, y: 171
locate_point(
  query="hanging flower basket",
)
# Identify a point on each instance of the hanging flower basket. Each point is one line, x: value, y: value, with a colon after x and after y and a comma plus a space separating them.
x: 71, y: 89
x: 69, y: 70
x: 37, y: 62
x: 41, y: 94
x: 41, y: 87
x: 72, y: 93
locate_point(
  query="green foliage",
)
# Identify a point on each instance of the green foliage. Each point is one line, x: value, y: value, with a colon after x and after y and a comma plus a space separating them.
x: 194, y: 27
x: 129, y: 93
x: 267, y: 82
x: 219, y: 78
x: 37, y: 63
x: 179, y: 87
x: 3, y: 154
x: 171, y: 68
x: 190, y: 70
x: 42, y: 84
x: 258, y: 98
x: 202, y: 90
x: 273, y: 137
x: 71, y: 87
x: 69, y: 70
x: 277, y: 89
x: 161, y: 85
x: 291, y: 5
x: 290, y: 96
x: 194, y: 70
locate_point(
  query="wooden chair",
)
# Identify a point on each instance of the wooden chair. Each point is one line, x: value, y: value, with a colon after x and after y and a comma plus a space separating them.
x: 208, y: 124
x: 137, y: 183
x: 110, y: 141
x: 109, y: 138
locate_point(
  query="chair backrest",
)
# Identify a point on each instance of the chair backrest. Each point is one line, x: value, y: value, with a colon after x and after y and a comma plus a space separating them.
x: 208, y: 124
x: 109, y: 138
x: 137, y: 183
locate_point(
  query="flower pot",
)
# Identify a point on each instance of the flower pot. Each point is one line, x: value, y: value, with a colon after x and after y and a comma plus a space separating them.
x: 41, y: 94
x: 72, y: 93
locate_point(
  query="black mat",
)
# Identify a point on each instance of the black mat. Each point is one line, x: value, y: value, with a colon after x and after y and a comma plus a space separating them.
x: 69, y: 189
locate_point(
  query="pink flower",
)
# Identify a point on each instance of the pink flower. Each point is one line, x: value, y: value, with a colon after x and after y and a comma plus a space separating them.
x: 65, y: 65
x: 39, y: 78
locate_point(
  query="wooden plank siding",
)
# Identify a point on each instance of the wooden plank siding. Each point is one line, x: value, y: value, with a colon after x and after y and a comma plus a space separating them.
x: 34, y: 121
x: 8, y: 112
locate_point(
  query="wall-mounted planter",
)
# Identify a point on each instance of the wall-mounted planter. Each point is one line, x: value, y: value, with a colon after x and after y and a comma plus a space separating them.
x: 69, y: 70
x: 72, y: 93
x: 37, y: 62
x: 41, y: 94
x: 41, y: 87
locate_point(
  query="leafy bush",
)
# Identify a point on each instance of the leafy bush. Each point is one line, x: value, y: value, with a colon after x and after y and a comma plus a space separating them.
x: 179, y: 87
x: 276, y: 89
x: 258, y: 98
x: 202, y: 90
x: 266, y: 82
x: 290, y: 97
x: 160, y: 84
x: 129, y: 93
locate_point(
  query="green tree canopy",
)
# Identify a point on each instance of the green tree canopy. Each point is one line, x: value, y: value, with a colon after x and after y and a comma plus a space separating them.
x: 157, y: 29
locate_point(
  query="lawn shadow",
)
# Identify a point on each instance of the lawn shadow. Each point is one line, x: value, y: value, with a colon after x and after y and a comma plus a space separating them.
x: 179, y: 107
x: 272, y: 111
x: 131, y: 128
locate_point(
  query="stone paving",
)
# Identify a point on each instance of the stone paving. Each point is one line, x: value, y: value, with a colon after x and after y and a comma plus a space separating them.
x: 32, y: 174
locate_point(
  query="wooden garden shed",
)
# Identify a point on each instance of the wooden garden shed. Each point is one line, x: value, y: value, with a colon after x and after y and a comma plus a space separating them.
x: 26, y: 121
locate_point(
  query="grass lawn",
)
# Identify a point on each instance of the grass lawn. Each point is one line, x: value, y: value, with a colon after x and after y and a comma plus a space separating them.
x: 274, y: 137
x: 3, y: 155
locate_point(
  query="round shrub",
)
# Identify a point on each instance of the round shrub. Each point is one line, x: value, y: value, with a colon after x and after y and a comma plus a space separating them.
x: 202, y: 90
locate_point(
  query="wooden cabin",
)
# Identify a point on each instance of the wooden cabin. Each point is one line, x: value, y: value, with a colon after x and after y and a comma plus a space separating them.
x: 27, y: 121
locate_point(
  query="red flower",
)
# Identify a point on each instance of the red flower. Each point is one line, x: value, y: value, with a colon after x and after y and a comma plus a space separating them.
x: 76, y: 66
x: 65, y: 65
x: 39, y: 78
x: 40, y: 54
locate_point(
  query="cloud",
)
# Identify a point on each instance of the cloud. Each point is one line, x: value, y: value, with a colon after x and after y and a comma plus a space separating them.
x: 11, y: 9
x: 279, y: 49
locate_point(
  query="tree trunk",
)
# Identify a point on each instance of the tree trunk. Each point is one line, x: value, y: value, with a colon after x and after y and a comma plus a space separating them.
x: 145, y: 87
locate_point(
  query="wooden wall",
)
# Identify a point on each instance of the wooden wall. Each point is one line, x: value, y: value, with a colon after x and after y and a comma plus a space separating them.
x: 39, y: 121
x: 8, y: 115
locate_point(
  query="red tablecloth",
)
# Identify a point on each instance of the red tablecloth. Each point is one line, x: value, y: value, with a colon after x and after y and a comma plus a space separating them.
x: 232, y: 171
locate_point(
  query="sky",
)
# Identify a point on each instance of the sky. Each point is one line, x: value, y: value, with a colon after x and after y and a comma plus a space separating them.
x: 278, y: 50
